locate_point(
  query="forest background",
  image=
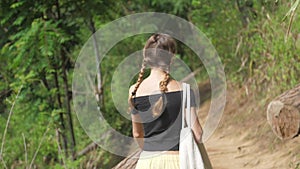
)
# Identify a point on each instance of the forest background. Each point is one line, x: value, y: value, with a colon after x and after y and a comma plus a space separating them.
x: 258, y: 42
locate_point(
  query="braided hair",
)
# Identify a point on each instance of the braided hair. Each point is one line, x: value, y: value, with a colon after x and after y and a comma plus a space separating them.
x: 158, y: 52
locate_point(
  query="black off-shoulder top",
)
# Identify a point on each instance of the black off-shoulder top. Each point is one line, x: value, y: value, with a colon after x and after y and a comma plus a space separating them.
x: 161, y: 133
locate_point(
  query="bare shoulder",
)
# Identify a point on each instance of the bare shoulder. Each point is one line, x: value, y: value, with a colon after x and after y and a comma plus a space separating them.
x: 174, y: 85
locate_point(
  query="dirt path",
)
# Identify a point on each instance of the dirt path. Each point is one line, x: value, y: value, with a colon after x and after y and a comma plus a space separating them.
x: 231, y: 152
x: 245, y: 140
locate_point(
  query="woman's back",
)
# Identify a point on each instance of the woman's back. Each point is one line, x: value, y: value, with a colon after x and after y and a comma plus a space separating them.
x: 150, y: 86
x: 161, y: 133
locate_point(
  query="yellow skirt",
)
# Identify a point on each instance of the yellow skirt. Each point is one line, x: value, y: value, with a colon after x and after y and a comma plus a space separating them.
x: 157, y: 160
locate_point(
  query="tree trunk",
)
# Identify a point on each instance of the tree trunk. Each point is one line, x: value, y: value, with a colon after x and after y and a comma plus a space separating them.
x: 61, y: 115
x: 68, y: 104
x: 283, y: 114
x: 98, y: 87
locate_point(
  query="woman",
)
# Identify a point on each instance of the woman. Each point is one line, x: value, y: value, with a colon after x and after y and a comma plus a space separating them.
x: 155, y: 104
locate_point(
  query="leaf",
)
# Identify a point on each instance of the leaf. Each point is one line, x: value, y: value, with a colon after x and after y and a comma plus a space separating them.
x: 17, y: 4
x: 19, y: 21
x: 292, y: 9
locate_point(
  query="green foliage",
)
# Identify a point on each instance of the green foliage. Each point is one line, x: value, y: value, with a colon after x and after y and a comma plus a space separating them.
x: 268, y: 58
x: 40, y: 41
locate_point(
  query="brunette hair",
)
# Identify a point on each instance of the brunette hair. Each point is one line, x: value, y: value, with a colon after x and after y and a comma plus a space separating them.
x: 158, y: 52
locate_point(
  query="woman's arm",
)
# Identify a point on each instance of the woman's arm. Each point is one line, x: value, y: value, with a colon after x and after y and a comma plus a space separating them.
x: 196, y: 127
x: 137, y: 126
x: 137, y: 129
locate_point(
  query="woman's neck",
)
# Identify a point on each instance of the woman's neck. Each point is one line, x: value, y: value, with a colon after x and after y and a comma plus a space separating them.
x: 157, y: 74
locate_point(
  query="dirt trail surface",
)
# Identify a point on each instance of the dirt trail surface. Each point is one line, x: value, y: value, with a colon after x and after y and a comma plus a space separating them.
x: 244, y: 139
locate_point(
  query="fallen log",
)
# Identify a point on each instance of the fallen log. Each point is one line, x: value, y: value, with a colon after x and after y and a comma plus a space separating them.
x: 129, y: 162
x: 283, y: 114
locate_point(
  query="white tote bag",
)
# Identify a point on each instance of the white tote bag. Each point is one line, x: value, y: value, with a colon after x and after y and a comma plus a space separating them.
x: 190, y: 156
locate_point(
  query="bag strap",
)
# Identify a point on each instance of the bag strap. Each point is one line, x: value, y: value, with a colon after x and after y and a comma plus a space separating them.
x: 186, y: 105
x: 183, y: 103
